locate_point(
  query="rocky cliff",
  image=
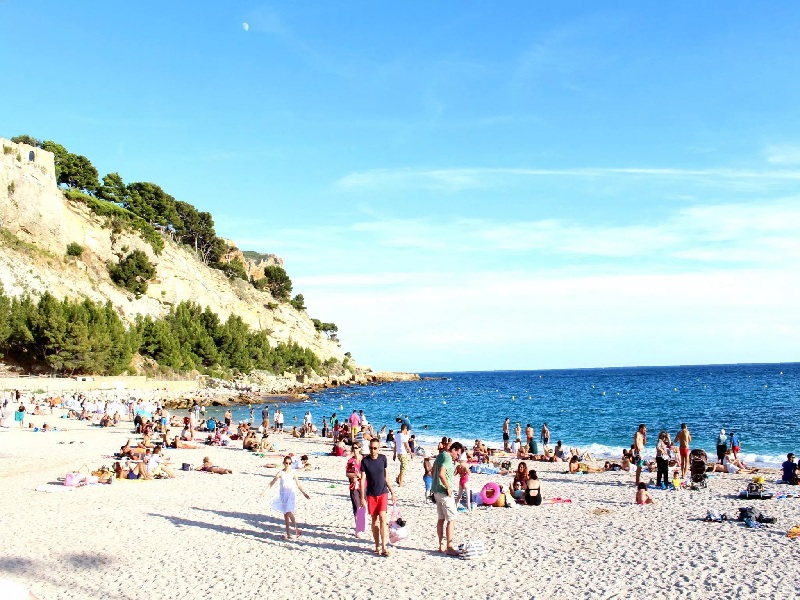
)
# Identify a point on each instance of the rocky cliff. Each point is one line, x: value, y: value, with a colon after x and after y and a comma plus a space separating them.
x: 37, y: 222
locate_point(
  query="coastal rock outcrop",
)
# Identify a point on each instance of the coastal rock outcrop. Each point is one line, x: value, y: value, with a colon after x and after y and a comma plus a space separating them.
x: 37, y: 223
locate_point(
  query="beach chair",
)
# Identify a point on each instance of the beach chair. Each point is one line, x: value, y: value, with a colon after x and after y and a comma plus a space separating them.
x: 697, y: 467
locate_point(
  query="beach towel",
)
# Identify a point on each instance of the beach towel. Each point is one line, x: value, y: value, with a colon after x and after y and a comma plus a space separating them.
x: 484, y: 470
x: 52, y: 489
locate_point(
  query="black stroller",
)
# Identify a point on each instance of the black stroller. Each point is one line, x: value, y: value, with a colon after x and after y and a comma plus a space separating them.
x: 697, y: 466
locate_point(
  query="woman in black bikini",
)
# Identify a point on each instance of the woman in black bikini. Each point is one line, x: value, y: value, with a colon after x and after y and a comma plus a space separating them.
x: 533, y: 489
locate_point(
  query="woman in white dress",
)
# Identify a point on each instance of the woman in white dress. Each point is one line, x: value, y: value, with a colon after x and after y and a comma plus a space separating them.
x: 285, y: 502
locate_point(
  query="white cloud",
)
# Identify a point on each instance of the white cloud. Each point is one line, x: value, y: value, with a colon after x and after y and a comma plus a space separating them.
x: 708, y: 283
x: 725, y: 232
x: 786, y: 154
x: 454, y: 180
x: 523, y: 320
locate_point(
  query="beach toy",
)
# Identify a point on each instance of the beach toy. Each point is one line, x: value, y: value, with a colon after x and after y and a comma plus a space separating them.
x: 490, y: 493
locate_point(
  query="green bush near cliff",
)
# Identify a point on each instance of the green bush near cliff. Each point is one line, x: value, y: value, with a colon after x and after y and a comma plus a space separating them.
x: 83, y: 337
x: 133, y: 272
x: 119, y: 219
x: 74, y: 249
x: 194, y: 338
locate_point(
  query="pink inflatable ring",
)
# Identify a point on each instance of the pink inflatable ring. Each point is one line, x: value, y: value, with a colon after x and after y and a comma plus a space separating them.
x: 490, y: 493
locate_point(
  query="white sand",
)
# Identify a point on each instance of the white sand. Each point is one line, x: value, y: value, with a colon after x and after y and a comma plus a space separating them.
x: 215, y: 536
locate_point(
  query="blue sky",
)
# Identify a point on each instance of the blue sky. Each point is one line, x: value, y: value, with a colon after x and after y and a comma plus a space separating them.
x: 460, y: 185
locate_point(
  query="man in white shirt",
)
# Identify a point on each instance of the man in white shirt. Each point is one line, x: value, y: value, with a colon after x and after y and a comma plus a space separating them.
x: 402, y: 451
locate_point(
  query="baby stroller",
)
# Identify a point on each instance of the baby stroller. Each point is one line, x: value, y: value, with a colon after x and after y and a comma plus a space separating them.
x: 697, y: 467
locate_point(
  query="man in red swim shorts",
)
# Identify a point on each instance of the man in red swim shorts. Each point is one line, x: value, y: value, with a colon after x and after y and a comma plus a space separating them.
x: 684, y: 438
x: 375, y: 488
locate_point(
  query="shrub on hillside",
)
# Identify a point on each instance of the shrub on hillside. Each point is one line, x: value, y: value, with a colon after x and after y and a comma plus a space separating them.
x: 74, y: 249
x: 277, y: 282
x: 133, y: 272
x: 298, y: 302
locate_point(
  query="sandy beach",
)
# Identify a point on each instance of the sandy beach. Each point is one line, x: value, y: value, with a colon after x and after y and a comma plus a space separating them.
x: 207, y: 536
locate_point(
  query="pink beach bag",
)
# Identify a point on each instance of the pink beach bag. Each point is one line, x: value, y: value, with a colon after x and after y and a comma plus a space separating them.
x: 361, y: 519
x: 397, y: 527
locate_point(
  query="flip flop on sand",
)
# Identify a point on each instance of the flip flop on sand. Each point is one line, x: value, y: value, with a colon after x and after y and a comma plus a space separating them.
x: 452, y: 552
x: 385, y: 553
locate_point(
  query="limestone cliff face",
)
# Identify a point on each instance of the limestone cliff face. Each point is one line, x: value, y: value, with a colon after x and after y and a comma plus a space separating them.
x: 33, y: 209
x: 253, y: 266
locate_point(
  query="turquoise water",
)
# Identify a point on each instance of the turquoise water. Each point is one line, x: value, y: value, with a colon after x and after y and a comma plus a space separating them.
x: 594, y: 409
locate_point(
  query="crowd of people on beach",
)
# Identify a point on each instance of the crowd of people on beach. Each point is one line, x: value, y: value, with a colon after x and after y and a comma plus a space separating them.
x: 446, y: 473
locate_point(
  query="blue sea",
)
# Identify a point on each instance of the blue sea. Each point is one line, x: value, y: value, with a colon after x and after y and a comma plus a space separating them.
x: 592, y: 409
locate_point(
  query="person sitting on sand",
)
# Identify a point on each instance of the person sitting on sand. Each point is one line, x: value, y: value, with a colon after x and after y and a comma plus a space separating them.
x: 156, y: 464
x: 735, y: 465
x: 626, y: 463
x: 295, y: 433
x: 479, y: 452
x: 533, y: 489
x: 523, y: 454
x: 789, y: 471
x: 250, y: 442
x: 520, y: 475
x: 582, y: 456
x: 178, y: 443
x: 558, y: 452
x: 266, y: 445
x: 642, y: 496
x: 304, y: 464
x: 338, y: 448
x: 518, y: 492
x: 137, y: 470
x: 210, y: 468
x: 186, y: 434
